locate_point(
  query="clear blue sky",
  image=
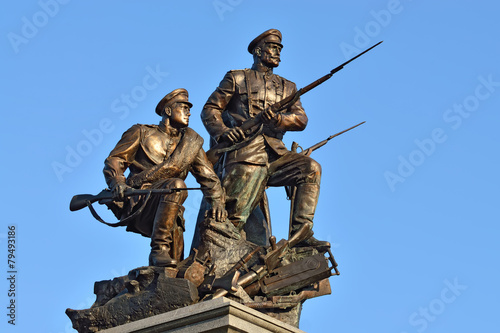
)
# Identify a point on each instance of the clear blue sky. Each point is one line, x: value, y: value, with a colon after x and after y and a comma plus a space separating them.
x: 409, y: 200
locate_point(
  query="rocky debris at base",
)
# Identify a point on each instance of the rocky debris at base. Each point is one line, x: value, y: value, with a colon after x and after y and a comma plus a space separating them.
x: 145, y: 292
x: 275, y: 280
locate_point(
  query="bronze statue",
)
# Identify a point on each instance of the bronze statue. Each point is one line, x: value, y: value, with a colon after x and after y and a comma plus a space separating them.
x: 160, y: 157
x: 246, y: 117
x: 258, y: 158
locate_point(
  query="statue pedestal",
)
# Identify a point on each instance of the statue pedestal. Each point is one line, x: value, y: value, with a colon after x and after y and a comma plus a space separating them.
x: 216, y: 316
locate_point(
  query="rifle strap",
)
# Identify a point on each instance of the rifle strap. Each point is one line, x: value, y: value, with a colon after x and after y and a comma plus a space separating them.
x: 246, y: 71
x: 122, y: 222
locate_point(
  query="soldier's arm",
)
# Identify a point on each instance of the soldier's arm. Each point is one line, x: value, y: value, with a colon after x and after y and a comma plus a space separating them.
x: 294, y: 118
x: 211, y: 115
x: 203, y: 172
x: 120, y: 158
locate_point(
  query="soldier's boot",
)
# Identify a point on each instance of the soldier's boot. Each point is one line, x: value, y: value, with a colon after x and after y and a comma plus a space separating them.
x: 305, y: 202
x: 313, y: 242
x: 161, y: 237
x: 301, y: 234
x: 177, y: 247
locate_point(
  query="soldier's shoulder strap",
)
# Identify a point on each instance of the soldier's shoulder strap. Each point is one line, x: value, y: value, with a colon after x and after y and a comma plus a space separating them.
x: 237, y: 71
x: 242, y: 82
x: 239, y: 79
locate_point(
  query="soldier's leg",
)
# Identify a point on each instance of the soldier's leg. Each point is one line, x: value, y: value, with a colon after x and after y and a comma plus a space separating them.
x: 163, y: 237
x: 244, y: 185
x: 304, y: 173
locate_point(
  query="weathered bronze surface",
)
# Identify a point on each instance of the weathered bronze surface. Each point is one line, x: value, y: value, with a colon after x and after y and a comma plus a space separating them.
x: 229, y: 266
x: 145, y: 292
x: 233, y: 253
x: 250, y: 111
x: 160, y: 157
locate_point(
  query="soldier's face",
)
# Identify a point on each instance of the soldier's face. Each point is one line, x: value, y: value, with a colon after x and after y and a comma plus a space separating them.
x: 180, y: 115
x: 270, y: 54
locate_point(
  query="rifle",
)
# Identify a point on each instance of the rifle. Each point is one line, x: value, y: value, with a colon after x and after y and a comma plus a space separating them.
x: 217, y: 150
x: 324, y: 142
x: 80, y: 201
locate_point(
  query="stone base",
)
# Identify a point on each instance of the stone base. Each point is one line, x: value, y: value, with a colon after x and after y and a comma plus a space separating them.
x: 220, y: 315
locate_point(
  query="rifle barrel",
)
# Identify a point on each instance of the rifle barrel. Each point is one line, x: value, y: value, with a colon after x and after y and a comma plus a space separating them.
x: 79, y: 201
x: 324, y: 142
x: 350, y: 128
x: 132, y: 191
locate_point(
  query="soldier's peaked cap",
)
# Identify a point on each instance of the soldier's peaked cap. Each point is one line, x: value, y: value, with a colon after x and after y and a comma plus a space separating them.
x: 178, y: 95
x: 269, y: 36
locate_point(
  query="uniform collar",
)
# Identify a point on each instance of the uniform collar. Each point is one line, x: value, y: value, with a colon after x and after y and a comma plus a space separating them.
x: 263, y: 69
x: 168, y: 129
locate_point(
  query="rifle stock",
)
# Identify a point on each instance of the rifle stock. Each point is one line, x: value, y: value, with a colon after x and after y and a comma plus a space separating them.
x: 79, y: 201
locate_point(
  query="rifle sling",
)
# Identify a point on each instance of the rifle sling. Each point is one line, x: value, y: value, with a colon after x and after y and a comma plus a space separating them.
x: 122, y: 222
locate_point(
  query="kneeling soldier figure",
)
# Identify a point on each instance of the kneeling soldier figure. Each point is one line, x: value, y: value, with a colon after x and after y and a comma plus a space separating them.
x: 160, y: 157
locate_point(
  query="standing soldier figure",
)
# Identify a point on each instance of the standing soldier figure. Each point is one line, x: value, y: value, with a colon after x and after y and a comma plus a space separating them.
x: 160, y: 157
x: 261, y: 159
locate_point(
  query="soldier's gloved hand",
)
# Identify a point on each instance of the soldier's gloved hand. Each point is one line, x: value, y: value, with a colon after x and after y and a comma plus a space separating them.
x: 270, y: 117
x: 118, y: 191
x: 233, y: 135
x: 217, y: 212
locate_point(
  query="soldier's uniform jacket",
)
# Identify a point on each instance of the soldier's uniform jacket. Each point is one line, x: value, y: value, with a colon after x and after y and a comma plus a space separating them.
x: 241, y: 95
x: 143, y: 147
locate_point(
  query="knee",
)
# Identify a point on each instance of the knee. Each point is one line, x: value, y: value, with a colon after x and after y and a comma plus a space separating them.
x: 313, y: 172
x: 176, y: 196
x: 177, y: 183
